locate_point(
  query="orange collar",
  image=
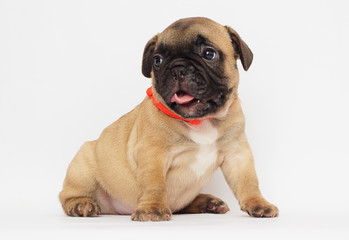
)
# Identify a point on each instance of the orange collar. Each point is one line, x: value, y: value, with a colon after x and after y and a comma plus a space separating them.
x: 162, y: 108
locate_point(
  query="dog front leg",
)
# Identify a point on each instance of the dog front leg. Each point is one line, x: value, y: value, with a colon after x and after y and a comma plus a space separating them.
x: 151, y: 180
x: 239, y: 171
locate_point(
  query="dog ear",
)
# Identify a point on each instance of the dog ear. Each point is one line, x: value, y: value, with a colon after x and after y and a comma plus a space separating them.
x: 148, y: 54
x: 245, y: 53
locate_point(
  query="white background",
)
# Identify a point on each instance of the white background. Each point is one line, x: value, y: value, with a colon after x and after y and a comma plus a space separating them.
x: 70, y: 68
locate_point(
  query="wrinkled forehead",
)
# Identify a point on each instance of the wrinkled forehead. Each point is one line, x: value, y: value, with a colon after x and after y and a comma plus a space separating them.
x: 184, y: 32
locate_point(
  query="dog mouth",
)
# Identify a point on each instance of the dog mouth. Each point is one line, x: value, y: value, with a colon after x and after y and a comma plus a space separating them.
x: 181, y: 98
x: 193, y: 106
x: 184, y: 99
x: 188, y: 106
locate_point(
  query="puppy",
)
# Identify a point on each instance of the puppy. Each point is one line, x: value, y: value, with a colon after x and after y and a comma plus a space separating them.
x: 155, y: 160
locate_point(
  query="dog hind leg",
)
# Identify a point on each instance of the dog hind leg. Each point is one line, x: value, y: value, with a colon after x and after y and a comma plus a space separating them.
x: 77, y: 196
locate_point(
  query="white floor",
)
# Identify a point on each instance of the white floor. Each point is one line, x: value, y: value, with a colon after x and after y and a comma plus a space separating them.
x: 30, y: 225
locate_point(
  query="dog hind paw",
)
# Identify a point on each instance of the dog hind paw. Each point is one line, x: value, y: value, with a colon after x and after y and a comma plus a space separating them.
x: 215, y: 205
x: 82, y: 207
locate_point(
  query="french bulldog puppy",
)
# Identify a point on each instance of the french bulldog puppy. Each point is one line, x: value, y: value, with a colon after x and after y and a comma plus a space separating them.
x: 155, y: 160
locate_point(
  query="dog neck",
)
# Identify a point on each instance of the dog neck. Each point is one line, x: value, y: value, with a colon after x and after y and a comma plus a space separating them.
x: 165, y: 110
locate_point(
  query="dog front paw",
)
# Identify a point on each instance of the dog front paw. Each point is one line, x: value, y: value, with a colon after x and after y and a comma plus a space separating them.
x: 259, y: 207
x: 152, y: 213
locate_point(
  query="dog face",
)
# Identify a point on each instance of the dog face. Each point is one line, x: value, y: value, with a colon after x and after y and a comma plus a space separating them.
x: 193, y: 66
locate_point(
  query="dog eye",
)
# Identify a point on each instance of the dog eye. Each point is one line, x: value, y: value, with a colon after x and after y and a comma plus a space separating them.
x: 209, y: 54
x: 157, y: 60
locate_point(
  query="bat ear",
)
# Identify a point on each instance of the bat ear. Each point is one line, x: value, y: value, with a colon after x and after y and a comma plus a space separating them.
x: 148, y: 54
x: 245, y: 53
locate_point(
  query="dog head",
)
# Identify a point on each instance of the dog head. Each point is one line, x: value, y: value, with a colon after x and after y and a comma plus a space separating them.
x: 193, y: 67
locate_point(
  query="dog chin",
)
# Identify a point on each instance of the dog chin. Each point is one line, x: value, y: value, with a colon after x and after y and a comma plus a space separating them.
x: 191, y: 110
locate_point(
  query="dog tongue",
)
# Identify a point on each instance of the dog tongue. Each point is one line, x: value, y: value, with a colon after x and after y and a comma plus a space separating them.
x: 181, y: 98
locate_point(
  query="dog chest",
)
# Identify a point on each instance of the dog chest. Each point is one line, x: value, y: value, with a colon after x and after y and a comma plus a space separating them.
x: 205, y: 136
x: 200, y: 155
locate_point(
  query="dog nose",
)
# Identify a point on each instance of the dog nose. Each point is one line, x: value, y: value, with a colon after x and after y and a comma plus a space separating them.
x: 179, y: 72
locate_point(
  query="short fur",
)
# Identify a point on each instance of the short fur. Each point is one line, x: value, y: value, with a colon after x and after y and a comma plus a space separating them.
x: 151, y: 165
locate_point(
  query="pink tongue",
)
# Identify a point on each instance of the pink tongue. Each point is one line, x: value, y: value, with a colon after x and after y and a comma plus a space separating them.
x: 182, y: 98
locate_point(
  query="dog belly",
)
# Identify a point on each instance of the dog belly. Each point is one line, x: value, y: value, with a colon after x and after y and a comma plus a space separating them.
x: 183, y: 187
x: 121, y: 208
x: 180, y: 193
x: 178, y: 197
x: 109, y: 205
